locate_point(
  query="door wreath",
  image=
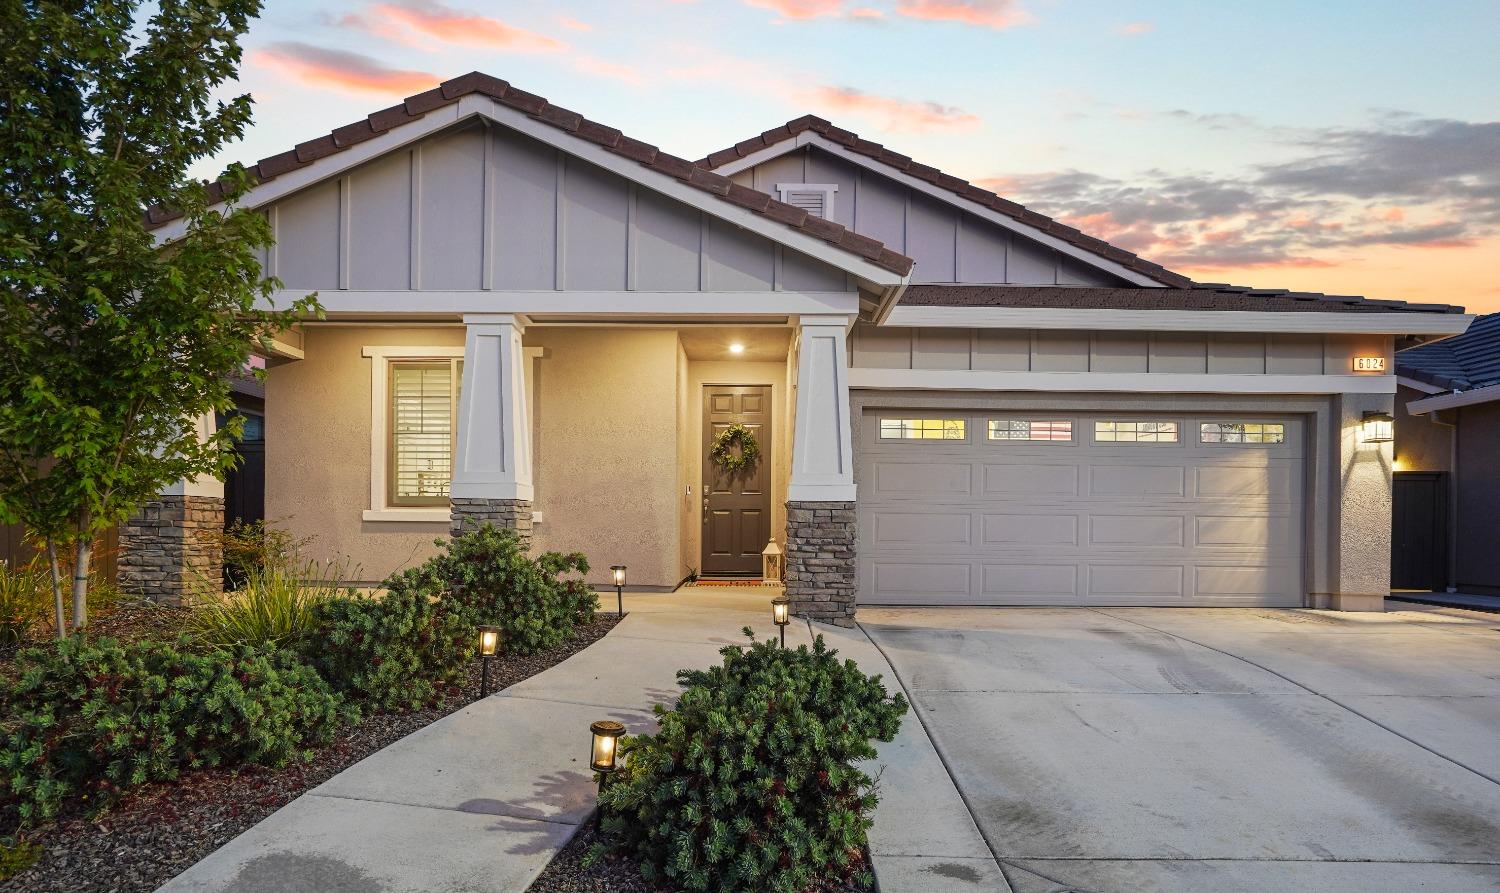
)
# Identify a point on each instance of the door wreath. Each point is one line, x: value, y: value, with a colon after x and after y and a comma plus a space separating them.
x: 723, y: 451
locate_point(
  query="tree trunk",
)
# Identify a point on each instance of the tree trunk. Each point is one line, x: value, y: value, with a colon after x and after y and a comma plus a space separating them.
x: 60, y: 618
x: 81, y: 582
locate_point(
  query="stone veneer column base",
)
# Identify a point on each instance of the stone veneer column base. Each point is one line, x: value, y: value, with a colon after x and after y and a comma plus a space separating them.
x: 512, y: 513
x: 820, y: 570
x: 173, y: 547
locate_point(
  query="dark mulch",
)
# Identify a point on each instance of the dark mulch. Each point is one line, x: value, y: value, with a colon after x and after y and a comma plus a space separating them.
x: 566, y: 873
x: 157, y: 831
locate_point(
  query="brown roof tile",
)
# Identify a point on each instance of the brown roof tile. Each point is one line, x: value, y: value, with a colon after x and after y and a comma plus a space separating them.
x: 608, y: 137
x: 1197, y: 297
x: 953, y: 184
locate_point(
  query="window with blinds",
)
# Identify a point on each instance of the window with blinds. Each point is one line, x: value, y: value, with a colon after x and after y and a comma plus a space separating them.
x: 424, y: 402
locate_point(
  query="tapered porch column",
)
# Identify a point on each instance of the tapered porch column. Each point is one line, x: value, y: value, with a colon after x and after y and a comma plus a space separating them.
x: 492, y: 478
x: 820, y: 520
x: 173, y: 545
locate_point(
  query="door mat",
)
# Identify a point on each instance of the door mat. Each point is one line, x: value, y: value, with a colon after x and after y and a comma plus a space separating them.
x: 745, y: 582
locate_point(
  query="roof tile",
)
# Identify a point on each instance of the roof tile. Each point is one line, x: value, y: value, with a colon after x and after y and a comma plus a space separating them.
x: 608, y: 137
x: 561, y: 118
x: 530, y: 103
x: 385, y: 119
x: 350, y: 134
x: 709, y: 180
x: 426, y: 101
x: 312, y: 150
x: 276, y: 165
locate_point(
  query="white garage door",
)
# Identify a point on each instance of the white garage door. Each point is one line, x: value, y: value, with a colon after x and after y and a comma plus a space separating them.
x: 1065, y: 508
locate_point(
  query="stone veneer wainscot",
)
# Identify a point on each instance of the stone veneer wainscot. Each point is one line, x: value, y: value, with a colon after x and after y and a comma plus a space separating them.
x: 820, y: 570
x: 512, y: 513
x: 173, y: 547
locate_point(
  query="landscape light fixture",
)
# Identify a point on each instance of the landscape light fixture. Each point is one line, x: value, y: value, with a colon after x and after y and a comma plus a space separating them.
x: 1377, y: 427
x: 618, y: 573
x: 781, y: 615
x: 489, y: 643
x: 604, y: 756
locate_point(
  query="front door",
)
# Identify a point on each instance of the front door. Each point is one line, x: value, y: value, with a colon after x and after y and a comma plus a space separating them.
x: 736, y: 505
x: 1419, y: 528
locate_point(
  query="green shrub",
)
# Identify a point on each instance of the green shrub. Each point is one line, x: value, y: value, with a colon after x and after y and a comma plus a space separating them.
x: 25, y: 597
x: 275, y: 607
x: 751, y: 783
x: 87, y: 720
x: 395, y: 652
x: 256, y: 547
x: 489, y: 576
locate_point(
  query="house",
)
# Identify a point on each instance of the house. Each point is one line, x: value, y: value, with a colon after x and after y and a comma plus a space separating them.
x: 1446, y: 525
x: 536, y: 320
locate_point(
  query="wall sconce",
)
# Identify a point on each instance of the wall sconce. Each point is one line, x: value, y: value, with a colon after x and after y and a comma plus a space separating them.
x: 781, y: 615
x: 489, y: 643
x: 1377, y: 427
x: 604, y: 756
x: 617, y: 573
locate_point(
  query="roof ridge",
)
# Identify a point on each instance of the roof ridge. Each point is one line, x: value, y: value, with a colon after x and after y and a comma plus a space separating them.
x: 960, y: 187
x: 1197, y: 297
x: 609, y: 138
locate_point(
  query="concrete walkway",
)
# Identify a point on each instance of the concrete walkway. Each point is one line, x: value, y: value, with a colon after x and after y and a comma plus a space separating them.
x: 484, y: 798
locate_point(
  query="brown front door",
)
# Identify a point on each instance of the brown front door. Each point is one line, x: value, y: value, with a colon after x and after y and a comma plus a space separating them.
x: 736, y: 506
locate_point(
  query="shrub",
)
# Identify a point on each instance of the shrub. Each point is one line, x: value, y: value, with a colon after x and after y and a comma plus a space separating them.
x: 396, y: 652
x: 488, y: 575
x: 256, y: 546
x: 751, y: 783
x: 275, y: 607
x: 25, y: 596
x: 90, y: 719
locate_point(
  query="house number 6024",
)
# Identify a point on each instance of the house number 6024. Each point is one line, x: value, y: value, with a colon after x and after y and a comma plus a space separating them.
x: 1369, y: 364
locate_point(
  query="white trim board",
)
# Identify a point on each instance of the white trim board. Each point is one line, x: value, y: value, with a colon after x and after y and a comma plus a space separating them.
x: 1372, y: 323
x: 1117, y: 382
x: 381, y: 356
x: 1422, y: 386
x: 622, y: 304
x: 1440, y: 402
x: 808, y: 137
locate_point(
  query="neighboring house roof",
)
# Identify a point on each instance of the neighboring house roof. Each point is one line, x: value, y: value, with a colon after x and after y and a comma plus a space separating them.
x: 956, y: 185
x: 1197, y: 297
x: 609, y: 138
x: 1467, y: 362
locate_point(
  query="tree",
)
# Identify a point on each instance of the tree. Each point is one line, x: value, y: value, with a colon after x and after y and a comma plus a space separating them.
x: 111, y: 344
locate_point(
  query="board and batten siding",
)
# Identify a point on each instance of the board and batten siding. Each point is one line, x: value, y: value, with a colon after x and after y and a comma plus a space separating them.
x: 948, y: 245
x: 486, y: 208
x: 1024, y: 350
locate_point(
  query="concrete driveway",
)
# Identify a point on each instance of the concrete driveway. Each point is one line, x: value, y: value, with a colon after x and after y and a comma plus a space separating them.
x: 1149, y: 749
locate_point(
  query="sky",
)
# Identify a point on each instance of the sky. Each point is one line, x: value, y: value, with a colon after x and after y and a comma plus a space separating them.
x: 1343, y: 146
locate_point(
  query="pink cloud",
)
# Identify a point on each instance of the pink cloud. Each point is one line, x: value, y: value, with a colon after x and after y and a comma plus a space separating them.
x: 428, y: 18
x: 1134, y: 29
x: 340, y: 70
x: 606, y: 69
x: 866, y: 13
x: 800, y: 10
x: 573, y: 24
x: 997, y: 14
x: 898, y: 114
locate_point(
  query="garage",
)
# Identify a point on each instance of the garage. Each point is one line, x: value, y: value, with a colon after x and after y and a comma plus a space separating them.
x: 1069, y: 508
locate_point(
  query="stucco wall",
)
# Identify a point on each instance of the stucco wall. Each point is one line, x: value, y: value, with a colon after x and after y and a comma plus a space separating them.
x: 318, y: 450
x: 1421, y: 445
x: 606, y: 465
x: 1362, y: 491
x: 1478, y: 534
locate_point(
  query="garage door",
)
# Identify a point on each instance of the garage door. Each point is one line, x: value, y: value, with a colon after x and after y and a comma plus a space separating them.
x: 1068, y: 508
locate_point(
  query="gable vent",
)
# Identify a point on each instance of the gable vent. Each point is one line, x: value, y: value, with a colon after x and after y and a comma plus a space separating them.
x: 814, y: 198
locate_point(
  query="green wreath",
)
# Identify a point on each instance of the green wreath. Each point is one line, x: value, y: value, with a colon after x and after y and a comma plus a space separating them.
x: 723, y: 454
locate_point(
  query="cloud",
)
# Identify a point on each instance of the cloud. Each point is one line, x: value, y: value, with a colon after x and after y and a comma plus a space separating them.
x: 896, y: 114
x: 408, y: 21
x: 1135, y: 29
x: 1413, y: 183
x: 801, y: 10
x: 340, y: 70
x: 573, y: 24
x: 997, y: 14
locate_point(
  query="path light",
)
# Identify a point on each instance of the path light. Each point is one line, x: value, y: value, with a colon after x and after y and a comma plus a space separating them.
x: 604, y: 756
x: 618, y: 570
x: 781, y: 615
x: 489, y: 643
x: 1377, y: 427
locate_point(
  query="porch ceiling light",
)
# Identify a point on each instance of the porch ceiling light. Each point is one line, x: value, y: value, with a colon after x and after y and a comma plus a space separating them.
x: 781, y: 615
x: 1377, y: 427
x: 736, y: 348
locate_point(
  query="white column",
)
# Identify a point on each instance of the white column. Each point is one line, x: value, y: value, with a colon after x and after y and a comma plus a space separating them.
x: 494, y: 421
x: 822, y: 445
x: 203, y: 485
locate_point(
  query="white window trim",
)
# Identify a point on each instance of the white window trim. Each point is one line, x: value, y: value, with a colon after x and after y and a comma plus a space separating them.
x: 380, y: 370
x: 828, y: 190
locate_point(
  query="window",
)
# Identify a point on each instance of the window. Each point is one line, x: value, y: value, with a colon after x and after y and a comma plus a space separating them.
x: 1030, y: 429
x: 1242, y: 432
x: 814, y: 198
x: 923, y: 429
x: 423, y: 412
x: 1135, y: 432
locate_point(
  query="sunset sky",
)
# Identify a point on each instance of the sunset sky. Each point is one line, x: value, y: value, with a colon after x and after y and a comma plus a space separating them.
x: 1346, y: 147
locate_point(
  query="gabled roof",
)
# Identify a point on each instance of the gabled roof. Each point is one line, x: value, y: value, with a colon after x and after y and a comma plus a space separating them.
x: 1198, y: 297
x: 1465, y: 362
x: 608, y: 138
x: 960, y: 187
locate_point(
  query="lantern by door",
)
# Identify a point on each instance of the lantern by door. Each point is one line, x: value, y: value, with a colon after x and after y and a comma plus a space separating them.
x: 770, y: 559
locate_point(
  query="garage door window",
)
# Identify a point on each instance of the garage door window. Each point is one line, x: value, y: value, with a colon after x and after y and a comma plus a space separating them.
x: 1241, y: 432
x: 1031, y: 429
x: 923, y: 429
x: 1135, y: 432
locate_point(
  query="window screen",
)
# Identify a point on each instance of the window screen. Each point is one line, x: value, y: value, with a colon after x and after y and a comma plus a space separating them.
x: 423, y: 395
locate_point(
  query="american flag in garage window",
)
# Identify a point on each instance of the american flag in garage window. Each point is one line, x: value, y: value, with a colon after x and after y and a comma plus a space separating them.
x: 424, y: 397
x: 1031, y: 429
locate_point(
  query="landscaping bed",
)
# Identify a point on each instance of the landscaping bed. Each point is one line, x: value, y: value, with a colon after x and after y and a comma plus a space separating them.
x: 157, y: 831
